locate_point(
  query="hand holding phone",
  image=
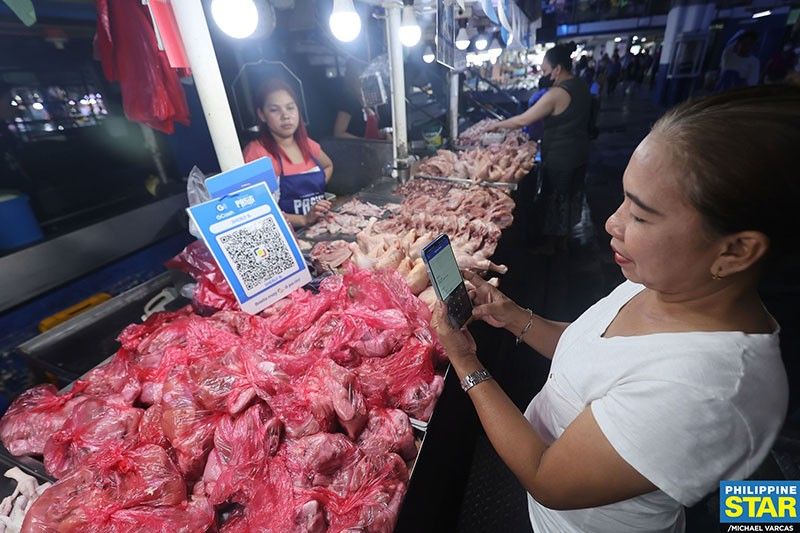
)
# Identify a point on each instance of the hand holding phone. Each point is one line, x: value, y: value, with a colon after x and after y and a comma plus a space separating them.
x: 447, y: 281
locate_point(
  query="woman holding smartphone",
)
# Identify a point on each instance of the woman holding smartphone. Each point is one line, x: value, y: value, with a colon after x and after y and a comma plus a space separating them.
x: 674, y: 381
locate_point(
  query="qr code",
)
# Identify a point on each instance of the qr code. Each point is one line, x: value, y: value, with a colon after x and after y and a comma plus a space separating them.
x: 258, y: 253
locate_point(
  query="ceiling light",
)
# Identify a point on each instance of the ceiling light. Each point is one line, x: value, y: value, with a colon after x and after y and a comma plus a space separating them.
x: 762, y: 14
x: 617, y: 39
x: 462, y: 39
x: 410, y: 32
x: 237, y: 18
x: 345, y: 24
x: 428, y: 56
x: 480, y: 42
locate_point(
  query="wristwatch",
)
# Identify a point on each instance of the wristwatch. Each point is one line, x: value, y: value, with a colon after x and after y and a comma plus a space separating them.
x: 473, y: 379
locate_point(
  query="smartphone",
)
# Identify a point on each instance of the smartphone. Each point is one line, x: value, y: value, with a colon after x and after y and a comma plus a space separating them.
x: 447, y: 281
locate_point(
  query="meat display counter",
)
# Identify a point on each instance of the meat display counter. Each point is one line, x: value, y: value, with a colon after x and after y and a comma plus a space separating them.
x: 439, y: 470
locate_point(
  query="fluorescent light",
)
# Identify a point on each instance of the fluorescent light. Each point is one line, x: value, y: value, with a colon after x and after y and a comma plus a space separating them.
x: 495, y: 49
x: 462, y: 39
x: 345, y: 24
x: 37, y: 106
x: 644, y: 39
x: 237, y: 18
x: 762, y: 14
x: 14, y: 103
x: 428, y: 56
x: 410, y: 32
x: 480, y: 42
x: 617, y: 39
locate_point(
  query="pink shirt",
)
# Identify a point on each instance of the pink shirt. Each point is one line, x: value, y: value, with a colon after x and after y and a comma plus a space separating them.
x: 255, y: 150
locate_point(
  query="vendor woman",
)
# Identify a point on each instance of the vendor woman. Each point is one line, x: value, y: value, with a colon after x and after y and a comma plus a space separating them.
x: 303, y: 168
x: 674, y: 381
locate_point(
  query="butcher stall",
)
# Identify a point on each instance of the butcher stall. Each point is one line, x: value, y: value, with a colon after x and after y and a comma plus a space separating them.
x: 332, y: 409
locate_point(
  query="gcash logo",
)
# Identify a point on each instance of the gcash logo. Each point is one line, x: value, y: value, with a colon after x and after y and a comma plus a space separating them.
x: 758, y: 505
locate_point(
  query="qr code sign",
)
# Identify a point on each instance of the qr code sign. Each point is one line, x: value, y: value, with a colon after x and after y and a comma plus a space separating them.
x: 258, y: 253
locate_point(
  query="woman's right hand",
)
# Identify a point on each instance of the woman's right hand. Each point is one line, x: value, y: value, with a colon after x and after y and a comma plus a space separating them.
x: 318, y: 210
x: 491, y: 305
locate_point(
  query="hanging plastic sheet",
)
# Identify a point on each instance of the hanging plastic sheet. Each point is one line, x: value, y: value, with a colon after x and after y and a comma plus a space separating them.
x: 128, y: 50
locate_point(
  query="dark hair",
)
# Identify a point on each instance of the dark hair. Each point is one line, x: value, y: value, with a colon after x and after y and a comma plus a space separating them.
x: 560, y: 54
x: 739, y: 153
x: 267, y: 139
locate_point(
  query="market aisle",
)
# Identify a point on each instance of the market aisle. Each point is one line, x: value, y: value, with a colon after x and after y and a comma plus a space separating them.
x: 560, y: 287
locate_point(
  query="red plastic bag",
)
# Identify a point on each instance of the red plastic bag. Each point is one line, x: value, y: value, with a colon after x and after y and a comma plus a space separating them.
x: 196, y: 516
x: 188, y: 427
x: 87, y: 499
x: 150, y: 430
x: 212, y: 290
x: 127, y: 48
x: 94, y: 427
x: 35, y: 415
x: 406, y: 380
x: 368, y: 496
x: 242, y: 448
x: 117, y: 378
x: 388, y: 430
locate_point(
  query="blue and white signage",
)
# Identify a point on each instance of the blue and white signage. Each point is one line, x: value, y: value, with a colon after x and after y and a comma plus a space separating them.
x: 252, y: 244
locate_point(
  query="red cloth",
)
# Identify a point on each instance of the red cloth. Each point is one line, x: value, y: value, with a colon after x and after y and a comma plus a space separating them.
x: 371, y: 130
x: 126, y: 46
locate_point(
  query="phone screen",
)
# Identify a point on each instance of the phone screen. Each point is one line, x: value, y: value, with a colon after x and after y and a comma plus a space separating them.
x: 446, y: 279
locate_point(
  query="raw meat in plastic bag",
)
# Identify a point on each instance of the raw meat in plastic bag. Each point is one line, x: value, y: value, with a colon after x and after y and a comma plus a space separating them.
x: 150, y: 430
x: 406, y: 380
x: 242, y: 448
x: 314, y: 461
x: 188, y: 427
x: 118, y: 377
x: 388, y: 430
x: 189, y: 517
x: 94, y: 426
x: 212, y: 289
x: 87, y: 499
x: 35, y: 415
x: 278, y: 507
x: 371, y: 502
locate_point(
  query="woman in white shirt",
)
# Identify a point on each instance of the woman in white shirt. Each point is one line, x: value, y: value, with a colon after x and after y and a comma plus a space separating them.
x: 674, y: 381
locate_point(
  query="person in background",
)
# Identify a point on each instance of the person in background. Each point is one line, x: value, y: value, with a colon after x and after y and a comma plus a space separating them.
x: 655, y: 67
x: 613, y: 72
x: 647, y: 64
x: 738, y: 66
x: 565, y: 110
x: 303, y: 168
x: 674, y: 381
x: 354, y: 120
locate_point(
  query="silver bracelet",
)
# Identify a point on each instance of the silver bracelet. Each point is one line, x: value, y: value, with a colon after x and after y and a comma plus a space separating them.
x: 479, y: 376
x: 526, y: 328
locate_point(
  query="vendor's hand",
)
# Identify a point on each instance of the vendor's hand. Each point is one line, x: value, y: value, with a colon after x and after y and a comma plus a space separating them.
x: 495, y: 126
x: 458, y: 344
x: 489, y: 304
x: 318, y: 210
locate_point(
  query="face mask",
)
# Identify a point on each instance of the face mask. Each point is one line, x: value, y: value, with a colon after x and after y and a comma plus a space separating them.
x: 546, y: 81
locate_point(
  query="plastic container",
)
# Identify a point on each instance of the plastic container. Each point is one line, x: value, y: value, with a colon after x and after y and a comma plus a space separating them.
x: 18, y: 225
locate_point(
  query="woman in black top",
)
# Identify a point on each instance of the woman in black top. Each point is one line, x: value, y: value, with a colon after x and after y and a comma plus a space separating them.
x: 565, y: 109
x: 354, y: 120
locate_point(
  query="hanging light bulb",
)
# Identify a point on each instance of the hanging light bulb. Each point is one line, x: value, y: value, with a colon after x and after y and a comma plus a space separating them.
x: 237, y: 18
x: 410, y: 32
x: 481, y: 42
x: 345, y: 24
x: 428, y: 56
x: 462, y: 39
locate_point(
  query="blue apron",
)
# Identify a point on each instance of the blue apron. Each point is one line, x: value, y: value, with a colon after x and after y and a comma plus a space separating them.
x: 299, y: 192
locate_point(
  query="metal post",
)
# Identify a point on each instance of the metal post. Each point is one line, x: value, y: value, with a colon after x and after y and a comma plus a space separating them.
x: 399, y: 127
x: 205, y: 70
x: 452, y: 115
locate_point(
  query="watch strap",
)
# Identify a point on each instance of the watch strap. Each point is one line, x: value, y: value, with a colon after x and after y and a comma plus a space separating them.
x: 470, y: 380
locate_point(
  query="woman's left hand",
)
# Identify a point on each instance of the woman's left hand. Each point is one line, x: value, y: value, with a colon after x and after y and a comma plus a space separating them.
x: 458, y: 345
